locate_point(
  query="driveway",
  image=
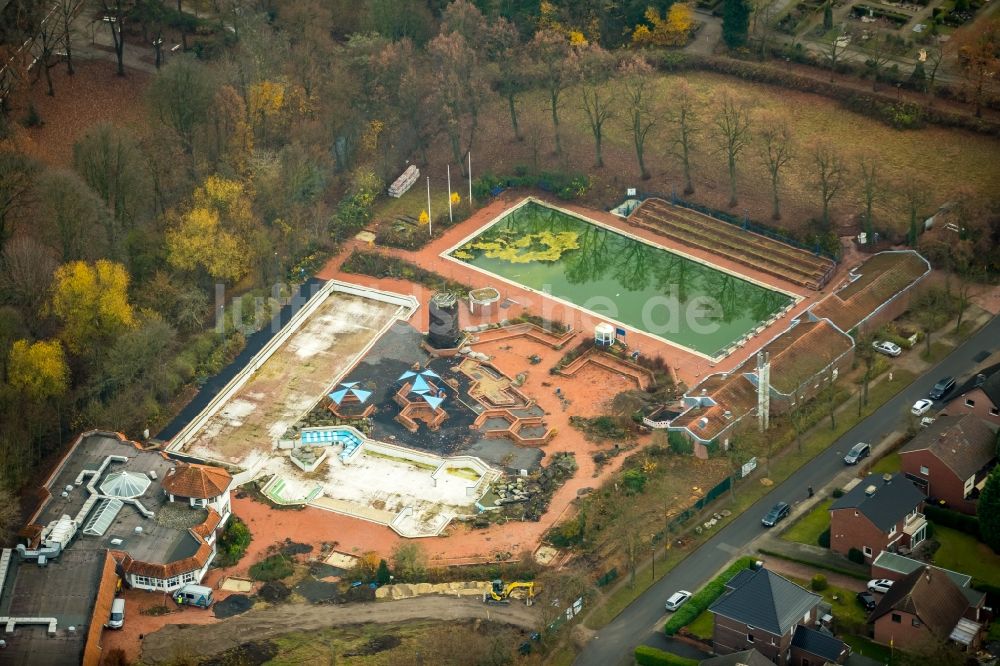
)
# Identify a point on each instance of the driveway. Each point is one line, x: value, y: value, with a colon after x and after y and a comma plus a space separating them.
x: 642, y: 621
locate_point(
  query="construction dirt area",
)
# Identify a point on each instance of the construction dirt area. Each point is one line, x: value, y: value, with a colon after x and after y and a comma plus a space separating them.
x: 175, y: 642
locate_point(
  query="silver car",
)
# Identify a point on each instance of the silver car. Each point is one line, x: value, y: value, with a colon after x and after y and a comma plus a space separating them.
x: 887, y: 348
x: 677, y: 600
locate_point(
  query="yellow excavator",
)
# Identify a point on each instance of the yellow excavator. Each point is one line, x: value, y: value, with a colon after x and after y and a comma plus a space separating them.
x: 501, y: 594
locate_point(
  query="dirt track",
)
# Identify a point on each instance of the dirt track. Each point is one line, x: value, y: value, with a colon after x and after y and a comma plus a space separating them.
x: 205, y: 640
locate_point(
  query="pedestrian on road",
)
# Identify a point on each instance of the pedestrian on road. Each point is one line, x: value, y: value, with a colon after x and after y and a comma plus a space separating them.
x: 810, y: 491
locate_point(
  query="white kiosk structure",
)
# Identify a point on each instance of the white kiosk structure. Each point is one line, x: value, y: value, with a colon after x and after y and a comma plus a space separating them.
x: 604, y: 335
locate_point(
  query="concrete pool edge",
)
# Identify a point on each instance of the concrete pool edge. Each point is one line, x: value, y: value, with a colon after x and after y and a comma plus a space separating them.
x: 730, y: 349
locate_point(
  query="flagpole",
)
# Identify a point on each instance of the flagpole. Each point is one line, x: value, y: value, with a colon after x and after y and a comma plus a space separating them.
x: 430, y: 228
x: 451, y: 219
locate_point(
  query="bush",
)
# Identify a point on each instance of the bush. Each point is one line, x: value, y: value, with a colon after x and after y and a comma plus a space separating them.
x: 679, y: 444
x: 953, y: 519
x: 705, y: 597
x: 651, y: 656
x: 855, y: 555
x: 634, y: 480
x: 379, y: 265
x: 233, y: 542
x: 824, y: 538
x: 275, y: 567
x: 32, y: 117
x: 566, y: 186
x: 818, y: 583
x: 837, y: 493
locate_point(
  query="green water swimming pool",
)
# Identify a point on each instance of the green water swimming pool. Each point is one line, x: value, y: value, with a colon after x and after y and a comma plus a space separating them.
x: 621, y: 278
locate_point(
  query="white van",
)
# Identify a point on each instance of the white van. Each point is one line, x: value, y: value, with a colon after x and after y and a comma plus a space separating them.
x: 117, y: 619
x: 194, y: 595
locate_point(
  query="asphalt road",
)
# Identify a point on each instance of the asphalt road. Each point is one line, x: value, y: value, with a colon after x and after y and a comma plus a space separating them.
x: 642, y: 621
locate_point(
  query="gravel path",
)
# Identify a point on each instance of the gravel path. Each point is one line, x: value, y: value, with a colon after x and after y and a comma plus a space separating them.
x: 170, y: 643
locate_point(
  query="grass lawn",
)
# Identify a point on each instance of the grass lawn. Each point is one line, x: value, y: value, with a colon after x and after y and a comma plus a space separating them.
x: 868, y: 648
x: 961, y: 552
x: 938, y: 351
x: 889, y: 463
x: 808, y: 528
x: 703, y: 625
x: 847, y: 611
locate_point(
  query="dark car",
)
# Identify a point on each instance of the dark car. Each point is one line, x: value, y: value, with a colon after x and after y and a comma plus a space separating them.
x: 942, y: 388
x: 857, y: 452
x: 778, y: 512
x: 867, y: 600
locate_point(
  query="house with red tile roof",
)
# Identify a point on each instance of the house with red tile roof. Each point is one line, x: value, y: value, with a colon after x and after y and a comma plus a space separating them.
x: 950, y: 460
x: 926, y: 608
x: 876, y: 292
x: 202, y: 486
x: 808, y: 355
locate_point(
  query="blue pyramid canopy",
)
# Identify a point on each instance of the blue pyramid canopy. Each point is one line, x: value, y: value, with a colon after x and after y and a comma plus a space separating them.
x: 427, y: 372
x: 349, y: 384
x: 361, y: 394
x: 433, y: 401
x: 406, y: 375
x: 338, y: 396
x: 420, y: 384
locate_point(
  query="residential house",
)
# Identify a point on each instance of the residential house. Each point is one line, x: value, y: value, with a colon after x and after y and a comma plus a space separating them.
x: 950, y: 460
x: 896, y: 567
x: 979, y: 396
x: 925, y: 608
x: 763, y: 611
x: 105, y: 516
x: 879, y: 513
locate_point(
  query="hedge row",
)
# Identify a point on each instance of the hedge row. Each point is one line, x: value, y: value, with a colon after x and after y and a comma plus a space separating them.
x: 565, y: 186
x: 953, y: 519
x: 651, y: 656
x: 705, y: 597
x: 378, y: 265
x: 814, y: 564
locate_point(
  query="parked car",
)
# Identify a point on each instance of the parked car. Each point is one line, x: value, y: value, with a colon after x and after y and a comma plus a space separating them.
x: 887, y: 348
x: 194, y: 595
x: 926, y: 421
x: 677, y: 600
x: 117, y: 619
x: 867, y: 600
x: 777, y: 513
x: 942, y: 388
x: 858, y: 452
x: 921, y: 407
x: 880, y: 585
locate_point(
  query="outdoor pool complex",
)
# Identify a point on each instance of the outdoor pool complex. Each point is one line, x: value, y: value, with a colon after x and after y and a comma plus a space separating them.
x: 622, y: 278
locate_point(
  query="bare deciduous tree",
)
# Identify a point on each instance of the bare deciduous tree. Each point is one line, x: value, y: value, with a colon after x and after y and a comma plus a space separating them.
x: 596, y: 66
x: 638, y: 84
x: 683, y: 119
x: 17, y: 177
x: 555, y: 70
x: 830, y: 174
x: 775, y: 147
x: 732, y: 132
